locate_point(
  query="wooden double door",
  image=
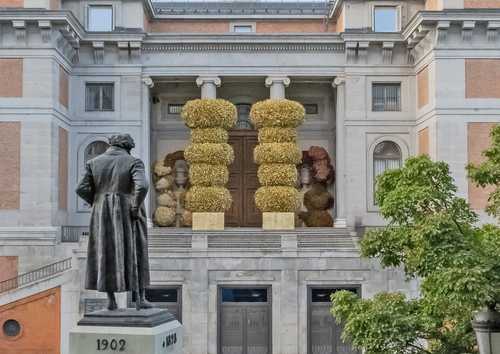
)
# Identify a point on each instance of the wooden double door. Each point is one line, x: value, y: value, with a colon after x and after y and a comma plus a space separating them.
x: 243, y: 181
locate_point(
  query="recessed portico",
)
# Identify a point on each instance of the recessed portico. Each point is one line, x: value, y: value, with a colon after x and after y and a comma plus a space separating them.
x: 169, y: 134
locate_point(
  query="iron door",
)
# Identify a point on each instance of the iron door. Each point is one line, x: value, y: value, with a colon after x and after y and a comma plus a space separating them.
x: 244, y: 321
x: 324, y: 333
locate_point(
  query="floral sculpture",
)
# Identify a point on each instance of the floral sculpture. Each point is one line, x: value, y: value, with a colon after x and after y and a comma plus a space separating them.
x: 277, y: 153
x: 208, y: 153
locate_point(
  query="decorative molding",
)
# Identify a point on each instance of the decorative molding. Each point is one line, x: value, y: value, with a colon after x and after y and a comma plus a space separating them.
x: 123, y: 51
x: 387, y: 50
x: 20, y: 29
x: 442, y: 30
x: 492, y: 30
x: 467, y: 29
x: 272, y: 80
x: 202, y: 80
x: 148, y: 81
x: 45, y: 28
x: 338, y: 81
x: 363, y: 51
x: 245, y: 47
x: 98, y: 52
x: 135, y: 50
x: 350, y: 51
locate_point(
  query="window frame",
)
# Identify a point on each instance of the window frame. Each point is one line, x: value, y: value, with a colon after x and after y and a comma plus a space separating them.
x: 387, y: 83
x: 396, y: 7
x: 233, y: 25
x: 374, y: 176
x: 401, y: 139
x: 103, y: 5
x: 100, y: 84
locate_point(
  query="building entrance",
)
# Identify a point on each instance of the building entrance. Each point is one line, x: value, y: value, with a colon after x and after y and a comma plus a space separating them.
x: 243, y: 180
x: 244, y: 320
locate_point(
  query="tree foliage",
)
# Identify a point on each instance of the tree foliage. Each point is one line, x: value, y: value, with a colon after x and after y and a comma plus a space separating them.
x: 434, y: 236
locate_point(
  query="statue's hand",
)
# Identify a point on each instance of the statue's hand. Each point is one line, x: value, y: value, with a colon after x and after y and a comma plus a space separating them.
x: 134, y: 212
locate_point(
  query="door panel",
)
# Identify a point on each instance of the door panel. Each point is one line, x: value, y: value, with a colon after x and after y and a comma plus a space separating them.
x: 243, y: 181
x: 232, y: 327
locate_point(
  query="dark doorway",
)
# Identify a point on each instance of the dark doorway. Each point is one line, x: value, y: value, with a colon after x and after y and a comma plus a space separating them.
x: 244, y: 320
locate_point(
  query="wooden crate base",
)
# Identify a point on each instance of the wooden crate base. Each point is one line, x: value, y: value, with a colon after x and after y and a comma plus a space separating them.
x: 208, y: 221
x: 278, y: 221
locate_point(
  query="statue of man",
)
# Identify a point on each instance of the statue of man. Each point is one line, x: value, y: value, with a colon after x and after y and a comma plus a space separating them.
x: 115, y: 185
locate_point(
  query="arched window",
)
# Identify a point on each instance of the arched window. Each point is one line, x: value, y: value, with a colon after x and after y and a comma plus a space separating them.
x: 243, y: 121
x: 386, y: 156
x: 94, y: 149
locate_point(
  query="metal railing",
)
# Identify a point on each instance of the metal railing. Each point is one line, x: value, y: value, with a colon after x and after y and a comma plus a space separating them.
x: 35, y: 275
x: 73, y: 233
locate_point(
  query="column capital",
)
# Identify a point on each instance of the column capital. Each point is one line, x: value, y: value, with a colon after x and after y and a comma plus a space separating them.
x: 339, y: 80
x: 148, y: 81
x: 215, y: 80
x: 271, y: 80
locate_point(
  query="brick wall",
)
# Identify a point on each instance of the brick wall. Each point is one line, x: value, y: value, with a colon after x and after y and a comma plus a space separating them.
x: 204, y: 26
x: 11, y: 3
x: 340, y: 21
x: 10, y: 165
x: 39, y: 317
x: 63, y: 87
x: 481, y: 4
x: 423, y: 142
x: 433, y: 5
x: 481, y: 78
x: 63, y: 169
x: 478, y: 140
x: 423, y: 87
x: 8, y: 267
x: 11, y: 71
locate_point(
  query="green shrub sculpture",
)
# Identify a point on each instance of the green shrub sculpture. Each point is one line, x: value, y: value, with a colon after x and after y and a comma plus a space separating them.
x: 277, y: 153
x: 208, y: 153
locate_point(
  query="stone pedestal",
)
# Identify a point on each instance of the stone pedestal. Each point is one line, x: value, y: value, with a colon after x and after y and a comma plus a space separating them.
x: 208, y: 221
x: 278, y: 221
x: 127, y: 331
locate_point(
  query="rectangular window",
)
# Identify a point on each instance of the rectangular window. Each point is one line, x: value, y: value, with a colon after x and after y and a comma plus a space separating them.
x: 242, y: 28
x: 311, y: 108
x: 100, y: 18
x: 175, y: 108
x: 99, y: 96
x: 386, y: 97
x: 385, y: 19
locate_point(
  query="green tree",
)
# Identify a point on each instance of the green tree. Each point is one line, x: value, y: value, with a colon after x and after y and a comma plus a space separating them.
x: 433, y: 235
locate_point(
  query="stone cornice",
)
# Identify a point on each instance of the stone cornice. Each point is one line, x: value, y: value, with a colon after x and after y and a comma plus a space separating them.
x: 239, y: 42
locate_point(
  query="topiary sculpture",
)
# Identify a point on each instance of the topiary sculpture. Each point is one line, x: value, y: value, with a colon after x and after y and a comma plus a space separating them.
x: 208, y: 153
x: 277, y: 153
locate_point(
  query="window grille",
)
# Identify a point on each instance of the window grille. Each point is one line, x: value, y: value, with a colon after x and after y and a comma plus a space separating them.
x: 311, y: 108
x: 99, y: 96
x: 174, y: 108
x: 386, y: 156
x: 386, y: 97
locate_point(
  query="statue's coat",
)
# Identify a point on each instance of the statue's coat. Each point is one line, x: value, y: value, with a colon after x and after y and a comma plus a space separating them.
x: 117, y: 256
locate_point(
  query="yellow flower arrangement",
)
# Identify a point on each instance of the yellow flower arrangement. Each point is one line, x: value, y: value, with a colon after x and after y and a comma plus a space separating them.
x: 277, y: 153
x: 277, y: 199
x: 209, y: 135
x: 277, y: 135
x: 277, y: 174
x: 202, y: 174
x: 209, y: 153
x: 209, y: 113
x: 208, y: 199
x: 279, y: 113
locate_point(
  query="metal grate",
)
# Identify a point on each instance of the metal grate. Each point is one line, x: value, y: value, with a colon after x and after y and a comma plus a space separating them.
x: 386, y: 97
x: 73, y: 233
x: 35, y: 275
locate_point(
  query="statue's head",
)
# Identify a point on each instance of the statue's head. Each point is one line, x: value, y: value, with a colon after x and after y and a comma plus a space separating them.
x: 123, y: 141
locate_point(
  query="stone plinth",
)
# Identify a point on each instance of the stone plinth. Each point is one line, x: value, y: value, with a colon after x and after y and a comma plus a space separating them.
x: 208, y: 221
x: 278, y: 221
x: 127, y: 331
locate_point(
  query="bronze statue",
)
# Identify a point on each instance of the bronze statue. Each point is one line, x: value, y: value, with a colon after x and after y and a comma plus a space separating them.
x: 115, y: 185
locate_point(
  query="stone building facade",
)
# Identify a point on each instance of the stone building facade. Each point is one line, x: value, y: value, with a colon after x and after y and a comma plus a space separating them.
x: 381, y: 80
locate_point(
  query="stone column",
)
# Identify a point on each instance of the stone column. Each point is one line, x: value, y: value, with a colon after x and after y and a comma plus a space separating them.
x: 340, y: 187
x: 208, y: 86
x: 277, y: 85
x: 147, y: 84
